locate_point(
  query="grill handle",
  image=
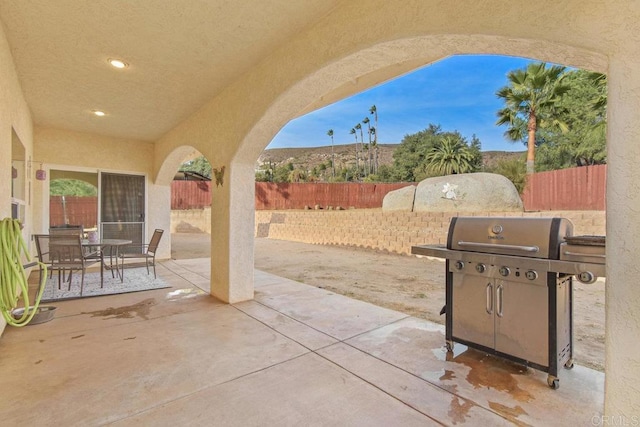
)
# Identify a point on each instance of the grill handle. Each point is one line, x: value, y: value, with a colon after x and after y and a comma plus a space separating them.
x: 476, y: 245
x: 499, y: 299
x: 585, y: 255
x: 489, y: 305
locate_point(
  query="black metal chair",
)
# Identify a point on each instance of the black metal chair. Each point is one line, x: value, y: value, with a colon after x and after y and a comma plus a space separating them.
x: 145, y: 251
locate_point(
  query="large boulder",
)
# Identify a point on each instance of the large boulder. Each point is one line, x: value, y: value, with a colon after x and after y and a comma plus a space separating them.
x: 470, y: 192
x: 399, y: 200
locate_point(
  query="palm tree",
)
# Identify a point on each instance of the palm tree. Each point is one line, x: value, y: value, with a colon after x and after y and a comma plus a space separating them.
x: 333, y: 163
x: 367, y: 122
x: 450, y: 156
x: 373, y: 110
x: 532, y: 97
x: 353, y: 132
x: 599, y: 104
x: 359, y: 126
x: 374, y: 147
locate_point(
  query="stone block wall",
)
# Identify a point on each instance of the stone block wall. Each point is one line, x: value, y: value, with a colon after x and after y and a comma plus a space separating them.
x: 389, y: 231
x: 191, y: 221
x: 368, y: 228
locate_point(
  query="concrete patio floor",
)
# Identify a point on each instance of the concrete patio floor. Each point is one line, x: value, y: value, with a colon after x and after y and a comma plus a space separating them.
x: 295, y: 355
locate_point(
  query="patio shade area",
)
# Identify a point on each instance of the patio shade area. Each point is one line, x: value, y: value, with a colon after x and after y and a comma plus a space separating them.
x: 295, y: 355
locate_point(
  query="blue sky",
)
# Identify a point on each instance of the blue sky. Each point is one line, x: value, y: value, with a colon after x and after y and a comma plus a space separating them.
x: 458, y: 93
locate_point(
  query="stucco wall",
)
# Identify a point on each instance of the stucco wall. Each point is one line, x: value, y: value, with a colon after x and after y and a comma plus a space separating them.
x: 14, y: 114
x: 62, y: 147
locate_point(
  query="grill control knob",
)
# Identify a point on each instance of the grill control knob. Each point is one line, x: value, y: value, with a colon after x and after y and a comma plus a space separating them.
x: 587, y: 277
x: 459, y: 265
x: 480, y: 268
x: 504, y: 271
x: 531, y: 275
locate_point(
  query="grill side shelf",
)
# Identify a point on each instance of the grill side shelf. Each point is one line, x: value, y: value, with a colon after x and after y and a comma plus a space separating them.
x: 436, y: 251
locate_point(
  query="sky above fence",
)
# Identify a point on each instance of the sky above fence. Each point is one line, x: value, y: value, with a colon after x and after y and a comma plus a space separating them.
x: 458, y: 93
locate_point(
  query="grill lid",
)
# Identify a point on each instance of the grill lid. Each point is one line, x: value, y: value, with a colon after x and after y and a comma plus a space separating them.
x: 526, y: 237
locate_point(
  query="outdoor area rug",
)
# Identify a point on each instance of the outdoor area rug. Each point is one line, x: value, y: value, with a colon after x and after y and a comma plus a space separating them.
x: 135, y: 280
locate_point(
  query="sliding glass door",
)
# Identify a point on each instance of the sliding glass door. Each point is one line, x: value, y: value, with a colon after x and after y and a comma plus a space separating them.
x: 122, y: 207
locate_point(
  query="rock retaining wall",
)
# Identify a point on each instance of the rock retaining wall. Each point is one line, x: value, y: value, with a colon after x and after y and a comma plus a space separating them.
x: 389, y: 231
x: 368, y: 228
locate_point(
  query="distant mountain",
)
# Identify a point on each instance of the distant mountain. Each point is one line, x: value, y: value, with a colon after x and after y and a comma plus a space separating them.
x: 306, y: 158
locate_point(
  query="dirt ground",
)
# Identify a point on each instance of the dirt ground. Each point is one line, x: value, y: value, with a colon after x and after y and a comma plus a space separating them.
x: 404, y: 283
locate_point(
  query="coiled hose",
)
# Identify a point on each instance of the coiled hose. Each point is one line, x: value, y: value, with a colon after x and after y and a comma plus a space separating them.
x: 13, y: 276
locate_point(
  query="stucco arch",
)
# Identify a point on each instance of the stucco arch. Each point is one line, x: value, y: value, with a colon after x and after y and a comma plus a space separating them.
x: 386, y: 60
x: 160, y: 191
x: 171, y: 163
x: 326, y: 82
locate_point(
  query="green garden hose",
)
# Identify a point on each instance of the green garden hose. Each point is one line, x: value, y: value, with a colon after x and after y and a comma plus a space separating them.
x: 13, y: 276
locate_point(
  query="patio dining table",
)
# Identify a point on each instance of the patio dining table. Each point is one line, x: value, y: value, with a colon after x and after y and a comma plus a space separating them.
x: 114, y: 249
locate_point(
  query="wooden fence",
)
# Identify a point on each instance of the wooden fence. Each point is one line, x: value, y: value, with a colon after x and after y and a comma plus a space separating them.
x: 567, y: 189
x: 298, y: 195
x: 190, y: 194
x: 73, y: 210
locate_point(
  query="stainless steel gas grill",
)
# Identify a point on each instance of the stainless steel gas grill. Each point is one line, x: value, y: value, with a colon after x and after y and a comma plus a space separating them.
x: 509, y: 286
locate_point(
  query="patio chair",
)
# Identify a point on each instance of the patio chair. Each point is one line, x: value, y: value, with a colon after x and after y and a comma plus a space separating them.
x: 67, y: 253
x: 42, y: 248
x: 68, y: 230
x: 145, y: 251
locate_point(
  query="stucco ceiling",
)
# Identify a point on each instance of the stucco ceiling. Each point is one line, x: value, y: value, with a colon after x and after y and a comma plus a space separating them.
x: 180, y: 54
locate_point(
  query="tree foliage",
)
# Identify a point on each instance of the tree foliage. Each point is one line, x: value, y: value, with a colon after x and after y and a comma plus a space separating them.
x: 200, y: 165
x: 72, y: 187
x: 515, y: 170
x: 432, y: 152
x: 584, y: 111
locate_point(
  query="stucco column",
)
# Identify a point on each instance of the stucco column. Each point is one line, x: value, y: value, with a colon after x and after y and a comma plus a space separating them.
x: 232, y: 231
x: 160, y: 210
x: 622, y: 351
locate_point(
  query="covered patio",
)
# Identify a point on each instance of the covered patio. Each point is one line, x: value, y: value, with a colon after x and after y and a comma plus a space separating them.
x: 221, y: 79
x: 295, y: 355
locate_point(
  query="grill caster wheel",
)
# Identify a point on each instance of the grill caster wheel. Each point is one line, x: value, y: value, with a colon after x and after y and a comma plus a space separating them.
x: 449, y: 346
x: 553, y: 382
x: 569, y: 364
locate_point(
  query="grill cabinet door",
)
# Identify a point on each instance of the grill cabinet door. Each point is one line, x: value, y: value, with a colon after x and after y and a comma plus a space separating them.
x: 522, y: 320
x: 473, y: 307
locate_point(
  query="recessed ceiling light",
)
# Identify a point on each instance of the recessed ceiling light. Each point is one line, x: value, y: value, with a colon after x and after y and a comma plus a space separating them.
x: 117, y: 63
x: 99, y: 113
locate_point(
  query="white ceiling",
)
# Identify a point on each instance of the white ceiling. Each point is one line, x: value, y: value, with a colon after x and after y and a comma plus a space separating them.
x: 181, y: 54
